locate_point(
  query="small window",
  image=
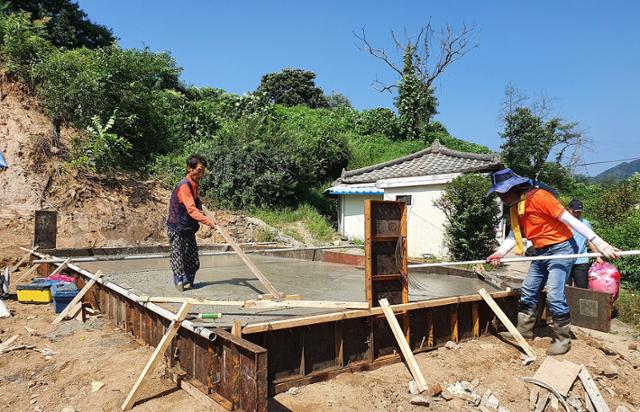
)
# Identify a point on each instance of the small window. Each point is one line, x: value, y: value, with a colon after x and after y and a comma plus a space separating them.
x: 404, y: 198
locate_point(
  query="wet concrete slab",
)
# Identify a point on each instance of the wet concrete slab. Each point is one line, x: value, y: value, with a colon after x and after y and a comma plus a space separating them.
x: 225, y: 277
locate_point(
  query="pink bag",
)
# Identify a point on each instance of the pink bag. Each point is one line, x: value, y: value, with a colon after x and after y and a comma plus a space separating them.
x: 63, y: 278
x: 604, y: 277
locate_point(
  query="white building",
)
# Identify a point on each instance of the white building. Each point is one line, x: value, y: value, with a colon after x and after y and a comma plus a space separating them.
x: 418, y: 179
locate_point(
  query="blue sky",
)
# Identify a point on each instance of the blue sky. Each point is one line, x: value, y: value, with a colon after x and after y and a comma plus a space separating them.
x: 583, y: 54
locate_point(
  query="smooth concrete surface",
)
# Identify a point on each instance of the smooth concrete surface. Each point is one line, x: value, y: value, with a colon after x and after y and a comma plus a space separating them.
x: 225, y: 277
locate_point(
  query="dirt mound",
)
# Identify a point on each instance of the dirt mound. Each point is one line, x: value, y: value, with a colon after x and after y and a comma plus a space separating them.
x: 93, y: 211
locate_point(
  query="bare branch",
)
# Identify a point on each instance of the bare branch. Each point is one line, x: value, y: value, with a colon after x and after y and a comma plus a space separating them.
x: 453, y: 46
x: 378, y: 53
x: 382, y: 87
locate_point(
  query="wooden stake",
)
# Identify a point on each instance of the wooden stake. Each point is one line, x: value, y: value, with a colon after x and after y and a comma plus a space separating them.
x: 172, y: 330
x: 236, y: 328
x: 506, y: 322
x: 421, y: 383
x: 24, y: 258
x: 590, y: 388
x: 77, y: 299
x: 27, y: 273
x: 60, y: 268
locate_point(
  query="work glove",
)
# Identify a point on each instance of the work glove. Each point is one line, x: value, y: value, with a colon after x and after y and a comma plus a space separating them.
x: 495, y: 258
x: 606, y: 249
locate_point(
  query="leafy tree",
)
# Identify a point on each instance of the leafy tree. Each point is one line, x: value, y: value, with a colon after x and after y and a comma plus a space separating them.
x: 338, y: 101
x: 67, y: 25
x: 415, y: 102
x: 614, y: 203
x: 472, y: 217
x: 530, y: 139
x: 22, y: 45
x: 291, y: 87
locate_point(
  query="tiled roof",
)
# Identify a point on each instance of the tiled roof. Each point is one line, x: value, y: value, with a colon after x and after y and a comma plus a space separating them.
x: 434, y: 160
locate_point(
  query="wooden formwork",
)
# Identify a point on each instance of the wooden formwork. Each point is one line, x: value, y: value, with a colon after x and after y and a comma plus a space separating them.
x: 240, y: 373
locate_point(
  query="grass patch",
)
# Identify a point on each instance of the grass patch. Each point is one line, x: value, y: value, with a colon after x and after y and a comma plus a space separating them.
x: 628, y: 305
x: 289, y: 221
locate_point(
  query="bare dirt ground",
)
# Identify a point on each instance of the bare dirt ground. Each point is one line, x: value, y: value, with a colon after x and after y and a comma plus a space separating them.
x: 96, y: 351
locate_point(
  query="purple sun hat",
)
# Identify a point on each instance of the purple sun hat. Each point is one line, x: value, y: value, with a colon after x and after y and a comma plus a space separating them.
x: 503, y: 180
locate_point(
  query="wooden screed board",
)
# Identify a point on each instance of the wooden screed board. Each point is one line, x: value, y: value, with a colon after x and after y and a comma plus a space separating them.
x: 386, y: 273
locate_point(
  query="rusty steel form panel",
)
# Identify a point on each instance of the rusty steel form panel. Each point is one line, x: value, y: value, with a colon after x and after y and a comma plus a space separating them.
x: 386, y: 274
x: 319, y: 351
x: 229, y: 370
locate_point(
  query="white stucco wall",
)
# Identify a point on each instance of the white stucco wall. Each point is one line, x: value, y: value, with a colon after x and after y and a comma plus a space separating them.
x: 351, y: 215
x: 425, y: 222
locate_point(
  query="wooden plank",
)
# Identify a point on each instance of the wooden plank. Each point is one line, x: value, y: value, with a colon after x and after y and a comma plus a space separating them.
x: 454, y: 323
x: 157, y: 354
x: 267, y: 304
x: 559, y: 375
x: 211, y: 402
x: 236, y: 328
x: 28, y: 272
x: 60, y: 268
x: 45, y: 229
x: 368, y: 264
x: 330, y: 317
x: 77, y: 298
x: 507, y: 323
x: 252, y: 267
x: 594, y: 394
x: 24, y: 258
x: 475, y: 316
x: 404, y: 346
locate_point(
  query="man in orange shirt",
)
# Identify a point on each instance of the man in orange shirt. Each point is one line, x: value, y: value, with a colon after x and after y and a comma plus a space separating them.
x: 539, y: 217
x: 185, y: 216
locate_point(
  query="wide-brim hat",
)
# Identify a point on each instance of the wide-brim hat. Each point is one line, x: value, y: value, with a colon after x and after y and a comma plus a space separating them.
x: 505, y: 179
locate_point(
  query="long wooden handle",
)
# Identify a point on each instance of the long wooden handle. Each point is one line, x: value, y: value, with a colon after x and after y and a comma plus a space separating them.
x: 252, y: 267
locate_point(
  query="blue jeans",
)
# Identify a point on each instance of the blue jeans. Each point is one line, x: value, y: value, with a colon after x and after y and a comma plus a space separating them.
x: 554, y: 274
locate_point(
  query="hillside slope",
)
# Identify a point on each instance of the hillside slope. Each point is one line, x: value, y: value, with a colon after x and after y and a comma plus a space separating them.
x: 94, y: 211
x: 619, y: 172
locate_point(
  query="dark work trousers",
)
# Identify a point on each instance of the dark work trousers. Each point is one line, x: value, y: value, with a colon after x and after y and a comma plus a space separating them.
x: 183, y: 255
x: 579, y: 276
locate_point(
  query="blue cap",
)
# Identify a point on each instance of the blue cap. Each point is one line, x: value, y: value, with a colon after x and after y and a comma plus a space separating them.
x: 503, y: 180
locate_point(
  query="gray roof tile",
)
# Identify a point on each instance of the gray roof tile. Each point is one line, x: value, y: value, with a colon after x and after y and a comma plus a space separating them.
x: 434, y: 160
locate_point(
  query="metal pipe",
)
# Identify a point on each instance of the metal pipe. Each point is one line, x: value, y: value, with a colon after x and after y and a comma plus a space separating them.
x: 107, y: 258
x: 524, y: 259
x: 204, y: 332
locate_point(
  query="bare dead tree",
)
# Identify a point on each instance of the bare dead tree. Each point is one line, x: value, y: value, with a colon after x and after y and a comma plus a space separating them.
x: 429, y: 63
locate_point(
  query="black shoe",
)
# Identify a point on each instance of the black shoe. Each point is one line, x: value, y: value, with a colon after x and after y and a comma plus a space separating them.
x: 180, y: 287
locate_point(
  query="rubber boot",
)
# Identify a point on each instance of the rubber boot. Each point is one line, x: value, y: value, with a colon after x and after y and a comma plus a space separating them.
x: 526, y: 322
x: 562, y: 339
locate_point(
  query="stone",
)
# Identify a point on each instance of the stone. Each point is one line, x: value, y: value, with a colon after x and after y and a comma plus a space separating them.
x: 610, y: 371
x: 467, y: 386
x: 413, y: 388
x: 293, y: 391
x: 419, y: 401
x: 489, y: 401
x: 446, y: 395
x: 475, y: 383
x: 633, y: 346
x: 68, y: 409
x: 451, y: 345
x: 622, y: 408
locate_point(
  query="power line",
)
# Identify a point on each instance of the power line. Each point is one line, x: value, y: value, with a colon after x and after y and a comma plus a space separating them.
x: 609, y: 161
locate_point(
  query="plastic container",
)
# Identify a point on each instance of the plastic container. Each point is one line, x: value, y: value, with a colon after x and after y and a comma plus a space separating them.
x: 34, y: 293
x: 63, y: 294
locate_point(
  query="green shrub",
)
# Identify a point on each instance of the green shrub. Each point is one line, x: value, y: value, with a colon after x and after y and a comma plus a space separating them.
x: 369, y: 150
x: 625, y: 235
x: 628, y: 305
x: 22, y: 45
x: 472, y: 217
x: 380, y: 121
x: 78, y: 84
x: 286, y: 219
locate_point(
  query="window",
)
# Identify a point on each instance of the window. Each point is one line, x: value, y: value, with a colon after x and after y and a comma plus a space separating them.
x: 404, y: 198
